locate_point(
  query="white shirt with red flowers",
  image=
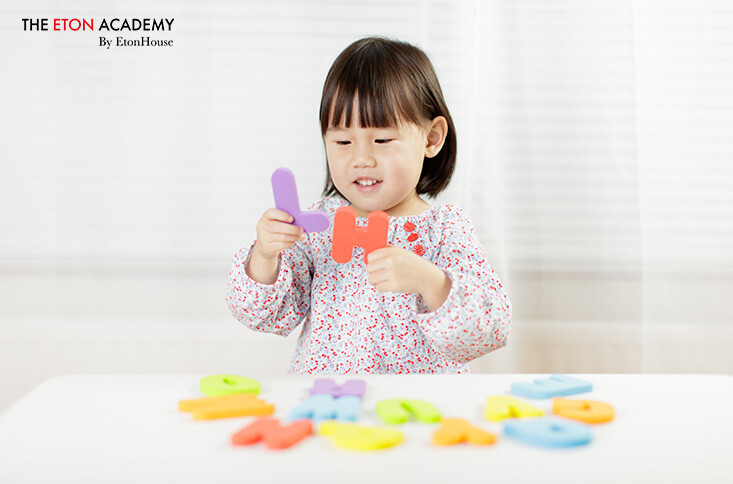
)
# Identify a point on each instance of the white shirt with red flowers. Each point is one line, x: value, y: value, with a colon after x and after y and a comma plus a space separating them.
x: 350, y: 327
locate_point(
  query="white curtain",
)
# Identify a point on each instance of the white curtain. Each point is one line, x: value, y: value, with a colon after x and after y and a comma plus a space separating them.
x: 595, y: 152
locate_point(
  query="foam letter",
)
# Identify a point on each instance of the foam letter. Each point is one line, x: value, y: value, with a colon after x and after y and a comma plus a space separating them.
x: 323, y: 407
x: 555, y: 386
x: 286, y: 199
x: 397, y: 411
x: 548, y: 432
x: 355, y: 437
x: 274, y: 435
x: 456, y: 430
x: 238, y: 405
x: 499, y: 408
x: 346, y: 235
x: 329, y: 386
x: 216, y: 385
x: 588, y: 411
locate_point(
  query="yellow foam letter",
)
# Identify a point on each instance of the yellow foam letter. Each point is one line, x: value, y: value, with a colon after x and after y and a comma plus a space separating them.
x: 499, y: 408
x: 356, y: 437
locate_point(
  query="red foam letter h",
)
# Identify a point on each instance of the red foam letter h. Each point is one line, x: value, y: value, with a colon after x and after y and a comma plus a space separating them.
x: 346, y: 235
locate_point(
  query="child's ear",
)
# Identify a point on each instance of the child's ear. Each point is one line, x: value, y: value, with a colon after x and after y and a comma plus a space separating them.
x: 437, y: 132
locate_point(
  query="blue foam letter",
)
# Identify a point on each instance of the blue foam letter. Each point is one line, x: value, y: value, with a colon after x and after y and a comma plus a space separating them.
x: 548, y: 432
x: 555, y: 386
x: 324, y: 407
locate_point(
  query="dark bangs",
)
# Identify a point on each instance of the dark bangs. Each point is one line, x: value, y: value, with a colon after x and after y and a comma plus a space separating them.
x: 393, y: 82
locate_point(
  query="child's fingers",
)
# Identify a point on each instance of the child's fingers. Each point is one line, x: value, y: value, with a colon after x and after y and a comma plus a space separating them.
x: 376, y: 277
x: 285, y: 238
x: 380, y: 254
x: 280, y: 221
x: 283, y: 228
x: 279, y: 228
x: 279, y: 215
x: 280, y: 246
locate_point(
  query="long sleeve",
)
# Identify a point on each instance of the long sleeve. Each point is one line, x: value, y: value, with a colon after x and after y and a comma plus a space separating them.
x: 474, y: 320
x: 277, y: 308
x: 349, y: 327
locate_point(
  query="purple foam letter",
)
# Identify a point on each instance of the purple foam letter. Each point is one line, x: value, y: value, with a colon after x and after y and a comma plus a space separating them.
x: 329, y: 387
x: 286, y: 199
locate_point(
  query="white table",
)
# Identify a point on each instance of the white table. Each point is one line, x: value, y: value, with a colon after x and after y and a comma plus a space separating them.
x: 97, y: 428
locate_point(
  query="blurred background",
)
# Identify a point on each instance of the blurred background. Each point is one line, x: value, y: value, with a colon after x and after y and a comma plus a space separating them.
x: 595, y: 159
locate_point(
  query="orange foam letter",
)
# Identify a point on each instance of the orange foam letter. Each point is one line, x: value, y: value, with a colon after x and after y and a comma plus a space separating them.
x: 274, y: 435
x: 588, y: 411
x: 457, y: 430
x: 237, y: 405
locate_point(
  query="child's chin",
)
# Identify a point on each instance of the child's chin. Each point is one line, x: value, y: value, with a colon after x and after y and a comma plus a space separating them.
x: 367, y: 205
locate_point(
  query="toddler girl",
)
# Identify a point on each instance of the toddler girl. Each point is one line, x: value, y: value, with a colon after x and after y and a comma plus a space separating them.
x: 428, y: 302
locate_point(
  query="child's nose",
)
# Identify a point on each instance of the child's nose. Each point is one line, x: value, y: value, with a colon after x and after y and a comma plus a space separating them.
x: 363, y: 157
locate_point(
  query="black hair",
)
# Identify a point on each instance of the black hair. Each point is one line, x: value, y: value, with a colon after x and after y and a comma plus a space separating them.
x: 393, y: 82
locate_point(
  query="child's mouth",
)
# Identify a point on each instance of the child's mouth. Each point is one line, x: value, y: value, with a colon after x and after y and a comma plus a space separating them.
x: 366, y: 184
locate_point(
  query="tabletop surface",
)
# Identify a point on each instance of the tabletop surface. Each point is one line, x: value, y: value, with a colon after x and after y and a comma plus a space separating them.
x: 125, y: 428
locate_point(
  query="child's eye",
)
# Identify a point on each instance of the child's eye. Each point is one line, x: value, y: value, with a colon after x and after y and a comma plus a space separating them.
x: 382, y: 140
x: 343, y: 143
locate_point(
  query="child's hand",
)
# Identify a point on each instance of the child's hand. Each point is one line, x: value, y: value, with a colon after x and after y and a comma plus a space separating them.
x: 275, y: 234
x: 398, y: 270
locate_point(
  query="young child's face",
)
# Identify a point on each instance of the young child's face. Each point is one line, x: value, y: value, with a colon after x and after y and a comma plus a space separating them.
x: 377, y: 168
